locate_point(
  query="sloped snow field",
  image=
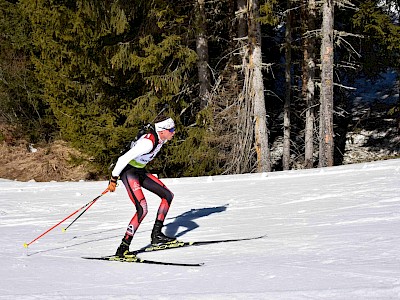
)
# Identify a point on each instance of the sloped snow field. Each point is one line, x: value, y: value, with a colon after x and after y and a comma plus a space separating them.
x: 332, y: 233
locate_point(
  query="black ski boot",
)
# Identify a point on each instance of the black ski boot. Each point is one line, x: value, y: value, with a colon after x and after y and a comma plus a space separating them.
x: 157, y: 237
x: 122, y: 249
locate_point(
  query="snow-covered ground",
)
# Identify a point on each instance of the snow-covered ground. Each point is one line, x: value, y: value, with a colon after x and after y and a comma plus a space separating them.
x: 333, y: 233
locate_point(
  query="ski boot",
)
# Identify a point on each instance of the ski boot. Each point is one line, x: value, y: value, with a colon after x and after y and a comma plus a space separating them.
x: 157, y: 237
x: 123, y: 249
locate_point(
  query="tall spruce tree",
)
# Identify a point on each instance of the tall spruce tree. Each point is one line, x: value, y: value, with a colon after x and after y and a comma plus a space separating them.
x: 105, y: 67
x: 109, y: 66
x: 380, y: 45
x: 21, y: 104
x: 308, y: 78
x: 326, y: 108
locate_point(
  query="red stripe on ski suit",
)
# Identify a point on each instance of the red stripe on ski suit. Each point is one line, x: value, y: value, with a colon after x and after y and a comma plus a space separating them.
x: 134, y: 180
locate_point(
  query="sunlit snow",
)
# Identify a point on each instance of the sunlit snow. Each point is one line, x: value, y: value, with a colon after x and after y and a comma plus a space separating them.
x: 332, y: 233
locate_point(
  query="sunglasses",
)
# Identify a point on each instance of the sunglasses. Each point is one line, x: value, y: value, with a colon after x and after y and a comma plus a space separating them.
x: 171, y: 129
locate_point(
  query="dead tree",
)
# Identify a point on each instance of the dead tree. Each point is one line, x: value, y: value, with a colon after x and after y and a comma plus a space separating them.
x: 326, y: 145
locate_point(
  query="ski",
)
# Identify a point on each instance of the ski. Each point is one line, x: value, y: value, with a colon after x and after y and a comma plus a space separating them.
x: 180, y: 244
x: 134, y: 259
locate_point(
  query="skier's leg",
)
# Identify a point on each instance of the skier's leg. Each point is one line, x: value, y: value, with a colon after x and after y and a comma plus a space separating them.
x: 132, y: 185
x: 155, y: 185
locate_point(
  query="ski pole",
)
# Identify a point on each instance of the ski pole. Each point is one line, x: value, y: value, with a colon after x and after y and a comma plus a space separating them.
x: 90, y: 204
x: 48, y: 230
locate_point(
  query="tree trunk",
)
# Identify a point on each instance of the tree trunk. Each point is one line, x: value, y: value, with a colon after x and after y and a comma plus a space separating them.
x: 308, y: 87
x: 288, y: 87
x: 202, y: 52
x: 326, y: 146
x: 241, y: 18
x: 257, y: 88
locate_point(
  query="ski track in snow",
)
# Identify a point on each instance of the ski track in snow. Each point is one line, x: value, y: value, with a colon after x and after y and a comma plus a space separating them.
x: 332, y: 233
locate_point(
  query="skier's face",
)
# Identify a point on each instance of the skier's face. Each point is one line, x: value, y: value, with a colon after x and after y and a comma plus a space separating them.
x: 167, y: 134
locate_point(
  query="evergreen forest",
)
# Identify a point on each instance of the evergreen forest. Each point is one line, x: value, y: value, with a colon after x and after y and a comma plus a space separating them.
x: 235, y: 75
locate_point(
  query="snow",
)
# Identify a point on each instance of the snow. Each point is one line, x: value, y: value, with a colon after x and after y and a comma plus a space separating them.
x: 378, y: 90
x: 332, y: 233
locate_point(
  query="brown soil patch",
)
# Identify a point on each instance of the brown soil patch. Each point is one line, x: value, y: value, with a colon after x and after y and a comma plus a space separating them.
x: 49, y: 162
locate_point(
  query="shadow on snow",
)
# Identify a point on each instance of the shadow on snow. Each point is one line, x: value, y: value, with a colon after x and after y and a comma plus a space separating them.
x: 186, y: 220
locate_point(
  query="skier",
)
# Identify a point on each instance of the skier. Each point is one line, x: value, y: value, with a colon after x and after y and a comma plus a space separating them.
x: 130, y: 168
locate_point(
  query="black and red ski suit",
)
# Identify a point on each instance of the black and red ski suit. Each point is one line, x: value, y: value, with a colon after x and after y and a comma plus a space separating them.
x: 130, y: 167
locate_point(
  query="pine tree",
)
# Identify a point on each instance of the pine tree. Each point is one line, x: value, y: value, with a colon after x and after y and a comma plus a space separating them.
x: 288, y: 89
x: 108, y: 66
x: 308, y: 79
x: 326, y: 143
x: 202, y: 52
x: 21, y: 104
x: 256, y: 89
x: 381, y: 37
